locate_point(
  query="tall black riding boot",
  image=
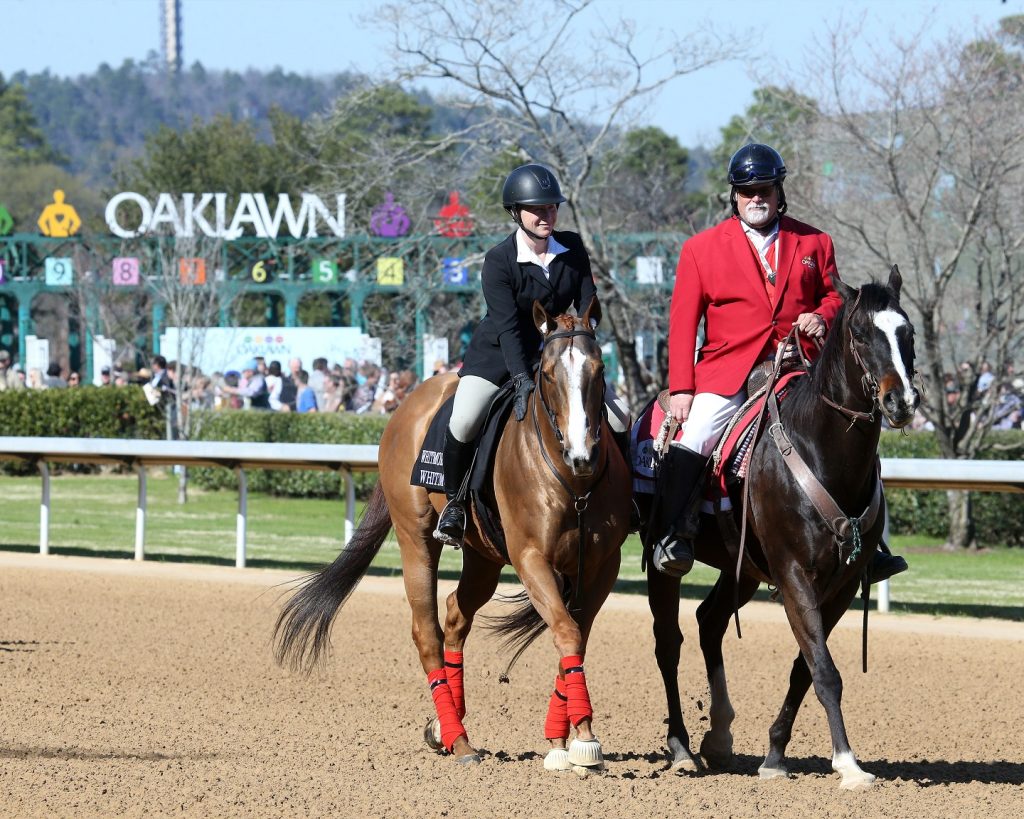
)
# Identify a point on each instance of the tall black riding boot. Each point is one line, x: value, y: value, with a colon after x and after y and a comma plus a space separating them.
x: 884, y: 564
x: 451, y: 526
x: 622, y: 443
x: 680, y: 486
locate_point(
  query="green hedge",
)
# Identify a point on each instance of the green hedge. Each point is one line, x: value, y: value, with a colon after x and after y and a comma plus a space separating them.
x: 82, y: 412
x: 998, y: 516
x: 286, y: 428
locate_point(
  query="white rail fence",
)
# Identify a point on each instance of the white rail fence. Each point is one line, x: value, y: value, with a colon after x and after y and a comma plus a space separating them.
x: 239, y: 456
x: 903, y: 473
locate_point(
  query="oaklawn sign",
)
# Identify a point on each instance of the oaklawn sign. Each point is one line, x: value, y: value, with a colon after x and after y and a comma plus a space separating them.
x: 130, y: 215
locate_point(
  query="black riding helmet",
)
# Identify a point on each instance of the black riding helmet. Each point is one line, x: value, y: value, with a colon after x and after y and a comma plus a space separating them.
x: 754, y: 165
x: 530, y: 185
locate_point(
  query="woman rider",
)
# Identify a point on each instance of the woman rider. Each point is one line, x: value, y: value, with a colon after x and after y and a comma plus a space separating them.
x: 538, y: 263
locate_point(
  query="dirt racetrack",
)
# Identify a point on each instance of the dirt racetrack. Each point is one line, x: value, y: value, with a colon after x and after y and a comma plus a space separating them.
x: 149, y: 689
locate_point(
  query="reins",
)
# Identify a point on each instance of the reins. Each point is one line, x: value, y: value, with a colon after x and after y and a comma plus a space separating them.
x: 846, y: 530
x: 580, y: 502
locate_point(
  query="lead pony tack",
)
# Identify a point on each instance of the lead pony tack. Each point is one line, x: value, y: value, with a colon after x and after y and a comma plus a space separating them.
x: 832, y: 419
x: 543, y: 467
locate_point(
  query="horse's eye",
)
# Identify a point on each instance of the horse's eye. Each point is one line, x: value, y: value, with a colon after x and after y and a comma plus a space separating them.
x: 858, y: 336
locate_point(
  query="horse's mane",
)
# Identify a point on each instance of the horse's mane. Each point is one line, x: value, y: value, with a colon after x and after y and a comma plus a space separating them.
x: 829, y: 369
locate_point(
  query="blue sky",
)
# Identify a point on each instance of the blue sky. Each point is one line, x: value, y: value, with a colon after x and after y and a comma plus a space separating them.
x: 71, y: 37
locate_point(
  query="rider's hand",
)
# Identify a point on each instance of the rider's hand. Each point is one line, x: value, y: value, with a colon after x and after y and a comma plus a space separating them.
x: 811, y: 325
x: 679, y: 405
x: 523, y: 386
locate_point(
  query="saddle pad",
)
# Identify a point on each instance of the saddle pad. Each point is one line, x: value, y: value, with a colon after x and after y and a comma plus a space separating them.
x: 649, y: 427
x: 734, y: 447
x: 428, y: 470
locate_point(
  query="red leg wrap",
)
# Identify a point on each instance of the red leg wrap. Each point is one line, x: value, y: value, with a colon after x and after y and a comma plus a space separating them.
x: 453, y: 666
x: 578, y: 706
x: 451, y: 725
x: 556, y: 726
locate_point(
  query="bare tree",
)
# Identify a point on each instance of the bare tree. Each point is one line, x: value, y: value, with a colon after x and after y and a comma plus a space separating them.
x: 560, y: 93
x: 919, y: 157
x: 183, y: 280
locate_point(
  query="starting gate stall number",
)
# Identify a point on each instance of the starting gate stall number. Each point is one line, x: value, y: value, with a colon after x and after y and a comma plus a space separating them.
x: 59, y: 272
x: 192, y: 271
x: 390, y: 271
x: 455, y: 270
x: 259, y: 272
x: 325, y: 271
x: 125, y: 271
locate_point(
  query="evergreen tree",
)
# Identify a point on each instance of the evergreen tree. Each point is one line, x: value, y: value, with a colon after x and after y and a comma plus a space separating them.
x: 21, y: 140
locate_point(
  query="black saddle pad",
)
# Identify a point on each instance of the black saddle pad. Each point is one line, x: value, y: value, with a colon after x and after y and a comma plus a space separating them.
x: 428, y: 471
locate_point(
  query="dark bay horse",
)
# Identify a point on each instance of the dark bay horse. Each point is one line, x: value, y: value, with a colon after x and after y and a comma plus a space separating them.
x: 832, y: 418
x: 561, y: 489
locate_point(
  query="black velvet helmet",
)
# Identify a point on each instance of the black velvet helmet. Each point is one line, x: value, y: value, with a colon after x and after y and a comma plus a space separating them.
x: 531, y: 185
x: 756, y: 164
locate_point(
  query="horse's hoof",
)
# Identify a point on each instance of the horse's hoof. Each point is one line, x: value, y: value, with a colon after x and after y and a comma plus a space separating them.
x: 557, y: 759
x: 586, y: 753
x: 862, y: 782
x: 772, y: 773
x: 716, y: 754
x: 432, y: 735
x: 855, y: 778
x: 469, y: 759
x: 583, y: 772
x: 682, y: 760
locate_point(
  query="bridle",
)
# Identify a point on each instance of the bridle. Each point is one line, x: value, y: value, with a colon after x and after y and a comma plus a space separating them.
x: 580, y: 502
x: 867, y: 380
x: 538, y: 383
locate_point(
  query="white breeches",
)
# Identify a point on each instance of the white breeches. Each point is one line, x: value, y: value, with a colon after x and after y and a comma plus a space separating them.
x: 474, y: 394
x: 709, y: 416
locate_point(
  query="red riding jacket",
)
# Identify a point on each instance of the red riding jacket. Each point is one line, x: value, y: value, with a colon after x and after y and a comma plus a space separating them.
x: 720, y: 278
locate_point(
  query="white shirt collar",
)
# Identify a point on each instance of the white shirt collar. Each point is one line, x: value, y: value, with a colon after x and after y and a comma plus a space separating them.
x: 524, y: 253
x: 761, y: 241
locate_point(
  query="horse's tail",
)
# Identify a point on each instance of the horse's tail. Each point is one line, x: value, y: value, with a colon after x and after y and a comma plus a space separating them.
x: 521, y: 626
x: 302, y: 633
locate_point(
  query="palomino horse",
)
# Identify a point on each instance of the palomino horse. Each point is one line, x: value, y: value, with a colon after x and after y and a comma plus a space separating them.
x: 832, y: 419
x: 549, y: 470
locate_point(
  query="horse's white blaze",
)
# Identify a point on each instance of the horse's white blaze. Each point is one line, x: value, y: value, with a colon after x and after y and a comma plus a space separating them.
x: 888, y: 321
x: 576, y: 429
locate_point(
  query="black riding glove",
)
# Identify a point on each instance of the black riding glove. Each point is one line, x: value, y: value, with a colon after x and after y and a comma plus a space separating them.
x: 523, y: 386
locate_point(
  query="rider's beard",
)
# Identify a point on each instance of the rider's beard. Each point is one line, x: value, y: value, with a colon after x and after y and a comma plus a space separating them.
x: 757, y: 214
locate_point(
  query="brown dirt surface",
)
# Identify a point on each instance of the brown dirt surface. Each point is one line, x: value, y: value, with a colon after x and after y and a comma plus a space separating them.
x: 149, y: 689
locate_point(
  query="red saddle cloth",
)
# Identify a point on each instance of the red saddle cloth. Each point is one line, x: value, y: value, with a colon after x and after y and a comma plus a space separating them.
x: 641, y: 446
x: 649, y: 426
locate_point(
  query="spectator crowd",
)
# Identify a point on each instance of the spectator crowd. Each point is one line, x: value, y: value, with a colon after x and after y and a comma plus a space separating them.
x: 347, y: 386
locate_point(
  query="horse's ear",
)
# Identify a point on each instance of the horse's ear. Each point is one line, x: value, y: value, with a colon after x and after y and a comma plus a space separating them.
x: 895, y: 280
x: 542, y: 319
x: 592, y: 315
x: 843, y: 289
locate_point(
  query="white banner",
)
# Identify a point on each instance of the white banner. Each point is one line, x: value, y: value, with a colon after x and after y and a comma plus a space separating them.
x: 221, y: 349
